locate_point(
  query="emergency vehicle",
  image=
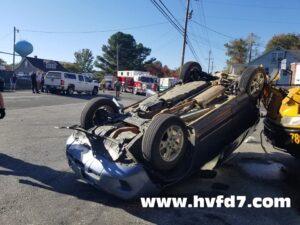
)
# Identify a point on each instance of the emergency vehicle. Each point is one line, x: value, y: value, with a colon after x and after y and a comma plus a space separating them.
x: 137, y: 82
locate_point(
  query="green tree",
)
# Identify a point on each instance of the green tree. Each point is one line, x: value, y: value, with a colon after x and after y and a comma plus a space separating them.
x: 123, y: 50
x: 99, y: 75
x: 72, y: 67
x: 2, y: 62
x: 237, y: 51
x: 287, y: 41
x: 160, y: 70
x: 10, y: 66
x: 84, y: 59
x: 154, y: 68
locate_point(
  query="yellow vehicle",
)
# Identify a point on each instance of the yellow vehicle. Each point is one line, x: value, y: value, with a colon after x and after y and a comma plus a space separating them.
x: 282, y: 122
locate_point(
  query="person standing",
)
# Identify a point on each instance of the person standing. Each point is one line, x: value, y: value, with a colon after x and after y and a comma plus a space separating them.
x: 2, y: 108
x: 38, y: 81
x: 13, y: 82
x: 34, y: 83
x: 117, y: 86
x: 103, y: 84
x: 43, y: 82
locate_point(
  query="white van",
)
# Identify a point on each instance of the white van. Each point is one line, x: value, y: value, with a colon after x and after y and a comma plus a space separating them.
x: 67, y: 82
x: 167, y: 82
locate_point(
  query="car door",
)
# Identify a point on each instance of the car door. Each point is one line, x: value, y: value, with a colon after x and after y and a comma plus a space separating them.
x: 88, y: 85
x: 70, y: 80
x: 80, y: 83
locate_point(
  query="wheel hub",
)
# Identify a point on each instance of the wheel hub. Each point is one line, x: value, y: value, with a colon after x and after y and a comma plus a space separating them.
x: 171, y: 144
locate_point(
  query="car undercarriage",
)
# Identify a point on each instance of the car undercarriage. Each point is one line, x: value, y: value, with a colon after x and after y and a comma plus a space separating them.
x: 137, y: 150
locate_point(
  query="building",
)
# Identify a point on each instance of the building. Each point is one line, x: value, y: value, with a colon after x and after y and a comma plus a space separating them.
x: 34, y: 64
x: 295, y: 75
x: 271, y: 60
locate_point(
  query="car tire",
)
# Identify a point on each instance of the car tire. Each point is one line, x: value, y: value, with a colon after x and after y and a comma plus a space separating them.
x: 70, y: 91
x: 160, y: 147
x: 252, y: 81
x: 96, y: 111
x: 191, y: 71
x: 134, y: 90
x: 95, y: 91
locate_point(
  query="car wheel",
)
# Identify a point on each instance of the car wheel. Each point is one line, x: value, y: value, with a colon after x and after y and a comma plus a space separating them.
x: 70, y: 91
x: 252, y: 81
x: 95, y: 91
x: 96, y: 112
x: 165, y: 142
x: 135, y: 92
x: 191, y: 71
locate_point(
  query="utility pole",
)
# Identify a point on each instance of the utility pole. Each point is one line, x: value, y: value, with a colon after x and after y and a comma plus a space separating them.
x: 14, y: 54
x: 212, y: 66
x: 185, y: 31
x: 251, y: 37
x: 209, y: 57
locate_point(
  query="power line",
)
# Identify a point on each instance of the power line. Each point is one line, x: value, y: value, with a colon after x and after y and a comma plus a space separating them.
x: 217, y: 32
x: 178, y: 28
x: 160, y: 37
x: 201, y: 9
x: 92, y: 32
x: 189, y: 44
x: 168, y: 15
x: 196, y: 39
x: 254, y: 20
x: 214, y: 46
x: 251, y: 5
x: 171, y: 14
x: 7, y: 53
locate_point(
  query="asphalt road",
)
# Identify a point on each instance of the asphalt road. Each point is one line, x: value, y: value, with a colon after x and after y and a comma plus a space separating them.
x: 37, y: 186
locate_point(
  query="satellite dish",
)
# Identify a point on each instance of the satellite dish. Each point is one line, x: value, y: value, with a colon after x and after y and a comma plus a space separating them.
x: 23, y: 48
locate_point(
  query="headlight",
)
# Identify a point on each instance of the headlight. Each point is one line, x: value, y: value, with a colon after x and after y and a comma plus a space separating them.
x: 290, y: 121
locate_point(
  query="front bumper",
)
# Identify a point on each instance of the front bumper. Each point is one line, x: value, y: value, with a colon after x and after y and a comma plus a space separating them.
x: 281, y: 137
x: 126, y: 181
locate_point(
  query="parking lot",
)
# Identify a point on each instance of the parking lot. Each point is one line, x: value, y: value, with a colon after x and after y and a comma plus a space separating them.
x: 38, y: 187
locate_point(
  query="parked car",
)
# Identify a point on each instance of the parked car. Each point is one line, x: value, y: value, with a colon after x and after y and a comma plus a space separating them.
x: 166, y: 137
x: 66, y: 82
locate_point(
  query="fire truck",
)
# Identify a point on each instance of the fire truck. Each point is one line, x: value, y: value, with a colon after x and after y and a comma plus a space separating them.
x: 137, y: 82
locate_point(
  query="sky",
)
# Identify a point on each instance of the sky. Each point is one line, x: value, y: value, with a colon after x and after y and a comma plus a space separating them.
x: 58, y: 28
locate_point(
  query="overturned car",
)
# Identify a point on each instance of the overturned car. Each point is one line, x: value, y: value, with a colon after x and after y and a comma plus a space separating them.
x: 138, y: 150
